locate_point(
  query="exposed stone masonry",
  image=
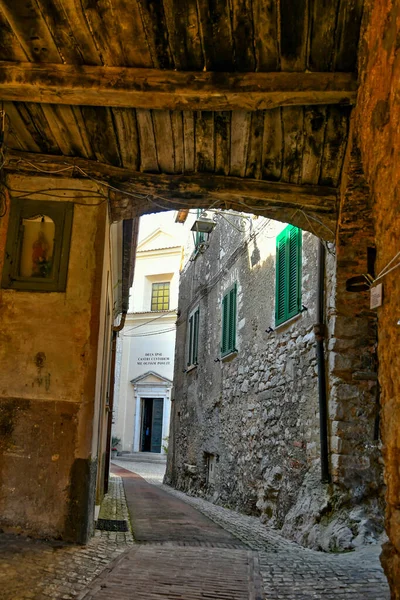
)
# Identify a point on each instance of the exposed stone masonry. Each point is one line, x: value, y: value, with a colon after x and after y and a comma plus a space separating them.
x: 256, y: 414
x: 377, y: 133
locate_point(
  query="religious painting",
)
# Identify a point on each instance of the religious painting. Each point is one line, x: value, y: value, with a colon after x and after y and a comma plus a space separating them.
x: 37, y: 247
x: 36, y: 257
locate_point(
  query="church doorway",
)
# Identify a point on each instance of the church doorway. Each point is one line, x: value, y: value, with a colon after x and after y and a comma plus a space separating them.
x: 152, y: 421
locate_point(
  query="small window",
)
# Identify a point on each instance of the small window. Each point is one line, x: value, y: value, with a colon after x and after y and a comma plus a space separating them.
x: 288, y: 274
x: 211, y: 466
x: 193, y: 337
x: 38, y: 242
x: 228, y: 341
x: 160, y: 296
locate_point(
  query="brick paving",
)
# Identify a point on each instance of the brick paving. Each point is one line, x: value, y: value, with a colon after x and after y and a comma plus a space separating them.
x: 181, y: 573
x: 181, y: 554
x: 157, y: 516
x: 289, y: 571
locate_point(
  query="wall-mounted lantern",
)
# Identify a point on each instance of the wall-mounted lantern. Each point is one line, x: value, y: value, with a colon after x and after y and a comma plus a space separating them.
x: 203, y: 224
x: 202, y: 227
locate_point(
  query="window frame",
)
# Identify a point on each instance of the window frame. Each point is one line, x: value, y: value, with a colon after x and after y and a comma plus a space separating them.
x: 288, y: 274
x: 61, y: 214
x: 229, y: 317
x: 193, y: 337
x: 159, y: 283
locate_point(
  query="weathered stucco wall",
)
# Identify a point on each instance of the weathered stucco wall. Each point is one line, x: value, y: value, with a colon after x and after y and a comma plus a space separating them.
x: 377, y: 132
x: 48, y: 354
x: 259, y: 413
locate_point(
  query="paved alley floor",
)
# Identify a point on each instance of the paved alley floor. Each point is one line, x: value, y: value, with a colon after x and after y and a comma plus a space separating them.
x: 185, y: 548
x: 181, y: 554
x: 288, y: 571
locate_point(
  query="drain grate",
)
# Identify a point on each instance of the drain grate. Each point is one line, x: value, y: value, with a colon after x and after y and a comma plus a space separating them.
x: 111, y: 525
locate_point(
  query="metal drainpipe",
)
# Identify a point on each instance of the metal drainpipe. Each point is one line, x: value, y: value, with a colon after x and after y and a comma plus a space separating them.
x: 319, y: 330
x: 110, y: 407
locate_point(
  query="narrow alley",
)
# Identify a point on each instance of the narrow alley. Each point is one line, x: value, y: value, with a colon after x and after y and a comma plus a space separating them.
x: 182, y: 548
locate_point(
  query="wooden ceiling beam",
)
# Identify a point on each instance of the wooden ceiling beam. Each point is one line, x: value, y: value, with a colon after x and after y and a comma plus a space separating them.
x: 172, y: 90
x: 176, y: 186
x: 132, y: 194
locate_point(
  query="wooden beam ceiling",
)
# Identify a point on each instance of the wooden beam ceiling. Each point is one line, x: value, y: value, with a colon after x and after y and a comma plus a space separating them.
x: 172, y: 90
x: 196, y: 185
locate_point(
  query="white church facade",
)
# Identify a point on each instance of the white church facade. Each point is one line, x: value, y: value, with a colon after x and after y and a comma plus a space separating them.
x: 145, y: 360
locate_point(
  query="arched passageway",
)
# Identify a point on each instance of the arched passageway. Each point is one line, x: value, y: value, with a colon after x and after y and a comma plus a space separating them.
x: 143, y: 118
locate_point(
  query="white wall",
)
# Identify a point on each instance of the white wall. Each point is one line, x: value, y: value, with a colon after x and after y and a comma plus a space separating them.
x: 148, y: 339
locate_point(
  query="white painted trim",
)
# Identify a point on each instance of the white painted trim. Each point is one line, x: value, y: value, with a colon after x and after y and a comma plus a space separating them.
x: 143, y: 391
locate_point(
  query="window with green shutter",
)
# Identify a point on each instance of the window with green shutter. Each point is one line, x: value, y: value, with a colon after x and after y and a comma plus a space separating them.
x: 228, y: 338
x: 288, y: 274
x: 193, y: 337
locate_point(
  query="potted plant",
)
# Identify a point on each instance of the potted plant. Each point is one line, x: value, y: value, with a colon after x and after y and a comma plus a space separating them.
x: 114, y: 446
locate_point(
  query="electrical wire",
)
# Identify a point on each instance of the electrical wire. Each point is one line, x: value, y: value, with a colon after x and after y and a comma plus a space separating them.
x: 160, y: 332
x: 163, y: 314
x: 240, y: 249
x: 49, y: 192
x: 221, y: 214
x: 386, y: 269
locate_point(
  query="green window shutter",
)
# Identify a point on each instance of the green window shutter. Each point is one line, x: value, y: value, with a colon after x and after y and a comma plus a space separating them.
x: 288, y: 274
x: 195, y: 335
x: 228, y: 342
x: 225, y: 322
x: 190, y: 361
x: 193, y: 338
x: 293, y: 271
x: 232, y: 320
x: 280, y: 310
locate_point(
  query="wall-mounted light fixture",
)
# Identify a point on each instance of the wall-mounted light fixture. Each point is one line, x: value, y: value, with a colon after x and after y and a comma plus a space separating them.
x: 203, y: 224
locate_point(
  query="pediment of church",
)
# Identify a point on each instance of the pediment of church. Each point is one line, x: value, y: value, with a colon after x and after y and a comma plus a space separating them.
x: 158, y: 240
x: 151, y: 378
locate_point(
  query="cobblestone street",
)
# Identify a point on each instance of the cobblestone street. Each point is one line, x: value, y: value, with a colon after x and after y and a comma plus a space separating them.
x: 187, y: 548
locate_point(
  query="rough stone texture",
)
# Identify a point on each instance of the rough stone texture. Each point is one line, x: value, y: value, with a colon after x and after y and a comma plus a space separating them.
x: 354, y: 401
x: 377, y: 118
x: 48, y: 356
x: 258, y: 412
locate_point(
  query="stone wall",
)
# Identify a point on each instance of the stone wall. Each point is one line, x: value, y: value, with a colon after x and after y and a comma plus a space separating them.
x: 353, y: 365
x: 258, y: 413
x: 377, y: 133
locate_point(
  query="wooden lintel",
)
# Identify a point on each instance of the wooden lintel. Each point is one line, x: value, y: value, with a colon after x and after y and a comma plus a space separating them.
x: 177, y: 186
x: 132, y: 194
x: 173, y: 90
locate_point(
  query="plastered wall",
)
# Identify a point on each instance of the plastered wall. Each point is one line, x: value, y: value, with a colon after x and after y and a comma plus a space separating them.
x: 48, y: 354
